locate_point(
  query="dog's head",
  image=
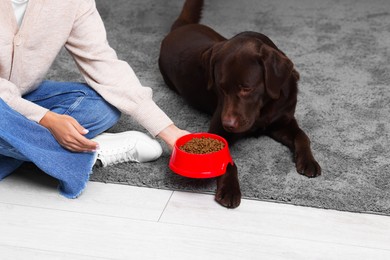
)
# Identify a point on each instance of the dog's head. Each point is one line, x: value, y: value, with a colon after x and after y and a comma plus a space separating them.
x: 245, y: 73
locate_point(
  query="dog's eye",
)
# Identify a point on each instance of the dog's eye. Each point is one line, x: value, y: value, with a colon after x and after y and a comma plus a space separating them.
x: 245, y: 90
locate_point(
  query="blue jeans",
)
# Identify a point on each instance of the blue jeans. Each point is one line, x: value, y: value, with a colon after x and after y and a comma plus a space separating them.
x: 22, y: 140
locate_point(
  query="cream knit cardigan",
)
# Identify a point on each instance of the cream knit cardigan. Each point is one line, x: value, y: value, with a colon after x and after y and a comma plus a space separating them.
x: 27, y: 53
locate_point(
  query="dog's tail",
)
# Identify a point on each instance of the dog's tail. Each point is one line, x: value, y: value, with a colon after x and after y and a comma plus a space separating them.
x: 191, y: 13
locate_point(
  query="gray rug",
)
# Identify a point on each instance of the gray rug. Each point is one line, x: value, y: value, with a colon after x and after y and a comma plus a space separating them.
x: 341, y: 49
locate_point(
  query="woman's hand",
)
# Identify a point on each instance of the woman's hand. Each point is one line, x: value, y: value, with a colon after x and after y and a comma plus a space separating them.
x: 171, y: 134
x: 68, y: 132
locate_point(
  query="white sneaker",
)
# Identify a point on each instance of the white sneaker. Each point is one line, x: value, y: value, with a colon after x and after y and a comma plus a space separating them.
x: 130, y: 146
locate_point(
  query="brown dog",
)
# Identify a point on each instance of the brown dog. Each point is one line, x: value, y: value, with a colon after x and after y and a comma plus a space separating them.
x: 246, y: 83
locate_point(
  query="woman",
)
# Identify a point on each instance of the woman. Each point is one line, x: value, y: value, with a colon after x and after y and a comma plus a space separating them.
x: 58, y: 125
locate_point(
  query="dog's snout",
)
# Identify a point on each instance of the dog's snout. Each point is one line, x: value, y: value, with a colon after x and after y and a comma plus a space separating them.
x: 230, y: 123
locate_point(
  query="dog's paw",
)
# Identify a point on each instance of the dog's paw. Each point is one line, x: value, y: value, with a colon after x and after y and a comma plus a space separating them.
x: 228, y: 188
x: 308, y: 166
x: 228, y: 199
x: 228, y: 193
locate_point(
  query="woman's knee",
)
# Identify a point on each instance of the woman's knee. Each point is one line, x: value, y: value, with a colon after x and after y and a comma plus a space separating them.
x: 96, y: 114
x: 79, y: 101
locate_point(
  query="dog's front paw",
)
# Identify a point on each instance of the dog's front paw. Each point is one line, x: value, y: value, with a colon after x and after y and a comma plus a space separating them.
x: 228, y: 189
x: 228, y: 197
x: 308, y: 166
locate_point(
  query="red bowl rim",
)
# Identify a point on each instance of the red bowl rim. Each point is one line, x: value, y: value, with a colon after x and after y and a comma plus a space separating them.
x: 195, y: 135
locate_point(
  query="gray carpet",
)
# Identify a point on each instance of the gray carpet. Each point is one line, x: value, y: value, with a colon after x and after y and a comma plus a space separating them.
x: 341, y: 49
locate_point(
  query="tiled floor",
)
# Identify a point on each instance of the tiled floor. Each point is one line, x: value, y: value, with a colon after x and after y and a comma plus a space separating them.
x: 123, y: 222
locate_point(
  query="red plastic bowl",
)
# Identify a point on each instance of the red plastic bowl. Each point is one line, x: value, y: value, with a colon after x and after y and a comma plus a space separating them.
x: 199, y: 165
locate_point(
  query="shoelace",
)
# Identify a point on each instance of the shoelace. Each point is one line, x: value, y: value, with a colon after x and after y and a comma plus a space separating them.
x: 113, y: 157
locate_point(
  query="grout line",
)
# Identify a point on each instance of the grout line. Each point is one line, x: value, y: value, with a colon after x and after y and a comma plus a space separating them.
x: 78, y: 212
x: 166, y: 205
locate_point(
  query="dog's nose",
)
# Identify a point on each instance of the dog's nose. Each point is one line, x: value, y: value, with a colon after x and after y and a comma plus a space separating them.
x: 230, y: 123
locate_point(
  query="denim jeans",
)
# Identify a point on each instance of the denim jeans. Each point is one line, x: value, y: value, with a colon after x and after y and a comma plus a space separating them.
x: 22, y: 140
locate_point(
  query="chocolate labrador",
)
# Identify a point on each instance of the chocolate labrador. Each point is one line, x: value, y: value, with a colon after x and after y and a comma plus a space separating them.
x: 246, y: 83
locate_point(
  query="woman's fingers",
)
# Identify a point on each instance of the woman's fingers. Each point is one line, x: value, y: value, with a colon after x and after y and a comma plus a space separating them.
x: 78, y: 127
x: 83, y: 144
x: 68, y: 132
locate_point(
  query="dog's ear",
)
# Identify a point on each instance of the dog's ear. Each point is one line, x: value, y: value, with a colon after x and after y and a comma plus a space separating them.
x: 277, y: 70
x: 208, y: 62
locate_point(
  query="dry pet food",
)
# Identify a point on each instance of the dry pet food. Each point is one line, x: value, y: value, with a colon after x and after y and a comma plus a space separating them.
x: 202, y: 145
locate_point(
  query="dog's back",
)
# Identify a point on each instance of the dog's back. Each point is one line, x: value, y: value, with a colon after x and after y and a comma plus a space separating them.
x: 181, y: 62
x: 190, y: 14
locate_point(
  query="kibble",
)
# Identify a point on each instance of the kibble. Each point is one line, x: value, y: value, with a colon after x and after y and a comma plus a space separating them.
x: 202, y: 145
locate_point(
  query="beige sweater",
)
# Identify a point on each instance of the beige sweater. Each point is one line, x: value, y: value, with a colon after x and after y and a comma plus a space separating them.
x: 27, y: 53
